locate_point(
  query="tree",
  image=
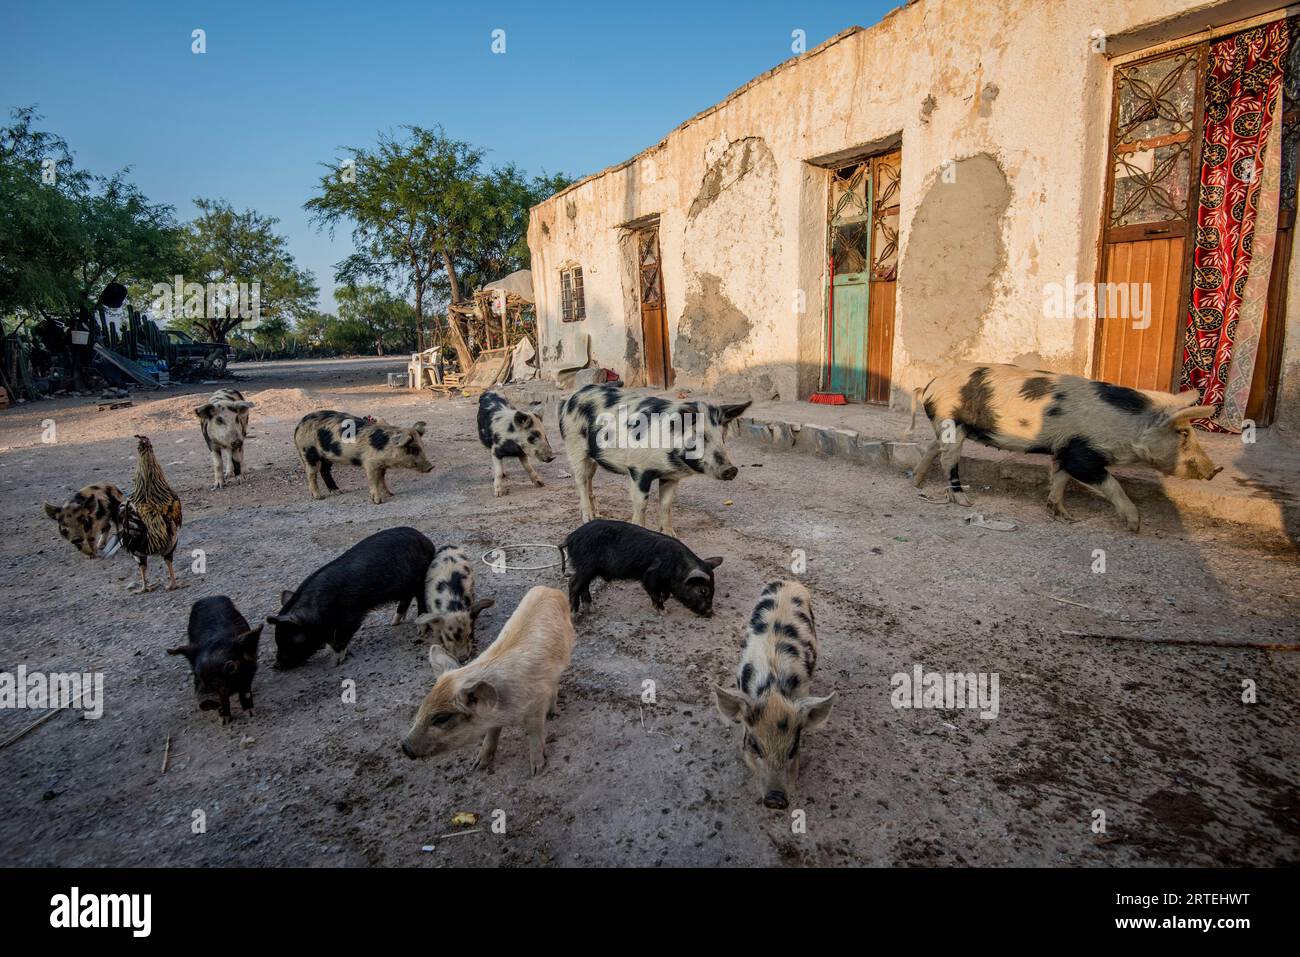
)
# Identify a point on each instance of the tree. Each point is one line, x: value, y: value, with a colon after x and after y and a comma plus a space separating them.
x: 404, y: 201
x: 388, y: 319
x: 224, y: 246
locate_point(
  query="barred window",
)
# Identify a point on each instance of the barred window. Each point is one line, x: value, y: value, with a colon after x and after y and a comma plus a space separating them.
x: 573, y: 305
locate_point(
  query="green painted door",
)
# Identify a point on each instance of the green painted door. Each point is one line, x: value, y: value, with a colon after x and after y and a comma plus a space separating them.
x: 850, y: 275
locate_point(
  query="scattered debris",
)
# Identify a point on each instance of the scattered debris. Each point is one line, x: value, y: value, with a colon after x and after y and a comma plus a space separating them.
x: 167, y: 753
x: 997, y: 525
x: 465, y: 819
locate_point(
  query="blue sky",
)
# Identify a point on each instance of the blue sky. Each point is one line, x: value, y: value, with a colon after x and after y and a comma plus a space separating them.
x: 282, y: 86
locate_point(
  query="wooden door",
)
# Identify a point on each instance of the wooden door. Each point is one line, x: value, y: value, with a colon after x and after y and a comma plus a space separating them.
x: 863, y: 241
x: 654, y: 316
x: 886, y: 177
x: 1155, y: 144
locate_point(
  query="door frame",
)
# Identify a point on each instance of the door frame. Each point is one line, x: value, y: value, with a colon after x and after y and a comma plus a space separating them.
x: 1106, y: 235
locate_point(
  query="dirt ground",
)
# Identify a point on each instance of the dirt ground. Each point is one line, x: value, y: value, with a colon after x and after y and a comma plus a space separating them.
x: 1155, y: 736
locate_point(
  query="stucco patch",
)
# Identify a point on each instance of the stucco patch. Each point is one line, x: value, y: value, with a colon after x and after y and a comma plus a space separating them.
x: 710, y: 323
x: 953, y: 259
x: 738, y: 160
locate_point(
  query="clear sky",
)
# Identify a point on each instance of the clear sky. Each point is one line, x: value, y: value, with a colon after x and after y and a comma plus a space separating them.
x: 283, y: 85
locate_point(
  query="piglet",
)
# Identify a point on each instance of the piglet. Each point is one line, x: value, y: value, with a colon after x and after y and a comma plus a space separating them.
x: 620, y: 550
x: 222, y: 653
x: 449, y: 594
x: 514, y: 682
x: 329, y: 607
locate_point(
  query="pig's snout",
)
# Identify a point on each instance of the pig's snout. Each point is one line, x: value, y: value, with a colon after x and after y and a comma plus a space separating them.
x: 729, y: 473
x: 406, y: 750
x: 426, y: 467
x: 1213, y: 472
x: 776, y: 799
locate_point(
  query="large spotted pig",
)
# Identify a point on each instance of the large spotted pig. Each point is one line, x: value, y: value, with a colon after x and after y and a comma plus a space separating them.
x: 646, y: 438
x: 224, y: 420
x: 449, y: 598
x: 514, y: 682
x: 325, y: 439
x: 771, y: 700
x: 1084, y: 425
x: 86, y: 519
x: 509, y: 433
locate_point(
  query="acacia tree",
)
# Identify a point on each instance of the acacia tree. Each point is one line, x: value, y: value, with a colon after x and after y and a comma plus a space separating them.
x: 388, y: 320
x: 405, y: 199
x: 223, y: 245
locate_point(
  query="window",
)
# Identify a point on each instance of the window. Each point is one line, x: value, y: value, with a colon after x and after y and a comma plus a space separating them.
x: 573, y: 306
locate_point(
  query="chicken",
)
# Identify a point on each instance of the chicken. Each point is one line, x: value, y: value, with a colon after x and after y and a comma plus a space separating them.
x: 150, y: 517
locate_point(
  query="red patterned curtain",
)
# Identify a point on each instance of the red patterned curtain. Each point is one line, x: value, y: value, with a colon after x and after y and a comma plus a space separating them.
x: 1241, y: 100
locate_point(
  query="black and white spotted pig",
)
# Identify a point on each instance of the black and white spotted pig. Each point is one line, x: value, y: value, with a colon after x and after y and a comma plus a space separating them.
x: 771, y: 700
x: 325, y: 439
x: 646, y: 438
x: 509, y: 433
x: 1084, y: 425
x: 449, y: 598
x: 224, y: 420
x: 88, y: 517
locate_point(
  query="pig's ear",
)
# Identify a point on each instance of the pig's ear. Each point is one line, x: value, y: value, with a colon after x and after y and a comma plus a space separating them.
x: 419, y: 428
x: 480, y: 696
x: 281, y: 619
x: 182, y: 650
x: 205, y: 411
x: 537, y: 409
x: 479, y: 606
x: 1183, y: 416
x: 521, y: 420
x: 697, y: 575
x: 815, y: 711
x: 730, y: 412
x: 284, y: 598
x: 1184, y: 399
x: 732, y: 705
x: 713, y: 562
x: 241, y: 406
x: 51, y: 511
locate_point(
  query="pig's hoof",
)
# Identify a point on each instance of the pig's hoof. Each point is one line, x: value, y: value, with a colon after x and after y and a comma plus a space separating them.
x: 501, y: 492
x: 1134, y: 525
x: 213, y: 488
x: 537, y: 766
x: 539, y: 483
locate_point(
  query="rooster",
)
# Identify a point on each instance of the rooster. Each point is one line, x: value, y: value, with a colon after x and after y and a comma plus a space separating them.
x: 150, y: 518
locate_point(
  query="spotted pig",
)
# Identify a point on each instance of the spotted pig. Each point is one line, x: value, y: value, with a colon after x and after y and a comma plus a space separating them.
x: 224, y: 421
x: 508, y: 433
x: 646, y: 438
x: 325, y: 439
x: 449, y: 598
x: 1084, y: 425
x: 771, y: 700
x: 88, y: 517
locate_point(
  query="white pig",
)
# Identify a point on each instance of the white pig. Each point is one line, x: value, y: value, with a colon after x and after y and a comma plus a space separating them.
x: 514, y: 682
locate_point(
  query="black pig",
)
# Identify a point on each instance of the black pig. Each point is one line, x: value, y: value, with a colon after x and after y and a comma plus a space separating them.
x: 329, y: 607
x: 620, y: 550
x: 222, y: 653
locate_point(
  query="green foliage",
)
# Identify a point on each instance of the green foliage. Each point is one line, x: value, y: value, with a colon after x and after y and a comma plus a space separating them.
x: 65, y: 233
x: 223, y: 245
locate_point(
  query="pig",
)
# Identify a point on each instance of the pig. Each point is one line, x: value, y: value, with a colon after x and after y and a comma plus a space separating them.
x: 224, y: 421
x: 514, y: 682
x: 329, y: 607
x: 88, y: 518
x: 646, y: 438
x: 622, y: 551
x: 508, y: 433
x: 449, y: 596
x: 771, y: 700
x: 1085, y: 426
x: 222, y: 653
x: 326, y: 438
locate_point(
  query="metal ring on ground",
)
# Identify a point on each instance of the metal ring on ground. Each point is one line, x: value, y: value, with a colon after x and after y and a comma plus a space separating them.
x: 502, y: 567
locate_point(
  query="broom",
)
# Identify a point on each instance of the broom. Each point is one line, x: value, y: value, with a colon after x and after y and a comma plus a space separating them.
x: 829, y: 398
